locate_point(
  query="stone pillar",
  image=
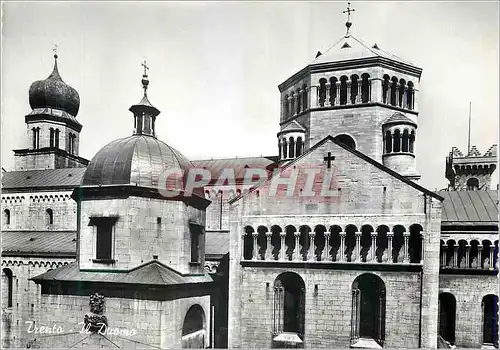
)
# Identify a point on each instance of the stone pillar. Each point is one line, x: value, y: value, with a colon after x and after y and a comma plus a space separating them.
x: 310, y: 251
x: 255, y: 248
x: 467, y: 258
x: 269, y: 248
x: 406, y: 259
x: 390, y: 235
x: 325, y: 256
x: 348, y: 93
x: 327, y: 94
x: 374, y: 246
x: 314, y: 96
x: 455, y: 256
x: 358, y: 246
x: 296, y: 251
x: 283, y: 246
x: 479, y: 256
x: 342, y: 246
x: 370, y: 90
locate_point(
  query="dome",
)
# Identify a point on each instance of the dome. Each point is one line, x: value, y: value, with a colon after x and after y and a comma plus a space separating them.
x: 135, y: 160
x: 53, y: 92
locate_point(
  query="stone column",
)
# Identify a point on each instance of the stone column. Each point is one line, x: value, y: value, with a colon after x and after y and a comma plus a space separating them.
x: 358, y: 246
x: 406, y: 259
x: 314, y: 96
x: 348, y: 93
x: 445, y: 253
x: 243, y: 235
x: 455, y: 255
x: 479, y: 256
x: 325, y: 256
x: 327, y: 94
x: 310, y: 251
x: 255, y: 249
x: 342, y: 246
x: 269, y: 249
x: 492, y: 251
x: 374, y: 246
x: 390, y: 235
x: 467, y: 258
x: 283, y: 246
x: 422, y: 249
x: 296, y: 251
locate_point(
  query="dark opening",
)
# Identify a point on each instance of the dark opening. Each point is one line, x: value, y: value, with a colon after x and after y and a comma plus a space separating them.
x: 10, y: 278
x: 289, y: 304
x: 346, y: 140
x: 104, y: 239
x: 194, y: 320
x: 472, y: 184
x: 447, y: 310
x: 490, y: 320
x: 195, y: 242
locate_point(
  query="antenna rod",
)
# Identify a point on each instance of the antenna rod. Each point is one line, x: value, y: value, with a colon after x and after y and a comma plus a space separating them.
x: 468, y: 140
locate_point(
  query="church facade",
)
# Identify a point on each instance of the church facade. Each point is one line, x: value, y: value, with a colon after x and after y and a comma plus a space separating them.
x: 338, y: 246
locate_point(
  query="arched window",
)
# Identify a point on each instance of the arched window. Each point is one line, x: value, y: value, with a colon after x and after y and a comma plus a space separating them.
x: 394, y: 90
x: 410, y: 94
x: 70, y: 143
x: 472, y: 184
x: 346, y: 140
x: 412, y: 141
x: 490, y: 320
x: 286, y: 107
x: 51, y: 142
x: 299, y: 101
x: 7, y: 284
x: 298, y: 147
x: 447, y: 310
x: 368, y: 309
x: 343, y: 90
x: 285, y: 149
x: 193, y: 328
x: 34, y: 137
x: 415, y: 244
x: 248, y: 243
x: 6, y: 217
x: 333, y: 91
x: 279, y: 150
x: 291, y: 152
x: 292, y: 104
x: 365, y: 88
x: 304, y: 97
x: 289, y: 309
x: 56, y: 143
x: 401, y: 94
x: 385, y: 88
x: 388, y: 142
x: 397, y: 141
x: 322, y: 92
x: 405, y: 141
x: 354, y: 88
x: 49, y: 217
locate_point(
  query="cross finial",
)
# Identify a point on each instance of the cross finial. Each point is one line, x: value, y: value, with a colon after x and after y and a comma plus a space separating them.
x: 348, y: 24
x: 144, y: 64
x: 328, y: 159
x: 55, y: 50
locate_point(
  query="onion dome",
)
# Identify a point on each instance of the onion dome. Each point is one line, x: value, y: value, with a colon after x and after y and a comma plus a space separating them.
x: 53, y: 92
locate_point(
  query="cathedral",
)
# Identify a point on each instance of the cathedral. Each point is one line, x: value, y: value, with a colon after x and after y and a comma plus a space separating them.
x: 337, y: 245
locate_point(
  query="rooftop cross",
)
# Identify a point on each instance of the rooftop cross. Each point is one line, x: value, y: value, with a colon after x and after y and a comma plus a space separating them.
x: 144, y: 64
x: 55, y: 50
x: 348, y: 24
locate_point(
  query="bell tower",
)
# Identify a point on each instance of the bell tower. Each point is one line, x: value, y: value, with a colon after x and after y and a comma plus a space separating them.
x: 364, y: 96
x: 52, y: 127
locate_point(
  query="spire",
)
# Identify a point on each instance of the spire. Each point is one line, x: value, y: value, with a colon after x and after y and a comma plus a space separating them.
x: 55, y: 71
x: 348, y: 24
x: 144, y: 112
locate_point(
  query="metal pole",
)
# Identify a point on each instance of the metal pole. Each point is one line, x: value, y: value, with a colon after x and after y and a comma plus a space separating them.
x: 468, y: 140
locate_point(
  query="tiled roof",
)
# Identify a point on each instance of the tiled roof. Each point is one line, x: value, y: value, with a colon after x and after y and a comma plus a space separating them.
x: 216, y: 244
x: 399, y: 118
x: 150, y: 273
x: 469, y: 207
x: 44, y: 243
x: 352, y: 48
x: 215, y: 166
x: 50, y: 178
x: 293, y: 126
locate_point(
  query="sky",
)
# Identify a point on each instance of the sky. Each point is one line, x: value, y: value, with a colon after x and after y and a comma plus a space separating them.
x: 215, y: 68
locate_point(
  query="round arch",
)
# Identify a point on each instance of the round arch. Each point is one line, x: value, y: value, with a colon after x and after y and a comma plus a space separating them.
x: 346, y: 140
x: 194, y: 328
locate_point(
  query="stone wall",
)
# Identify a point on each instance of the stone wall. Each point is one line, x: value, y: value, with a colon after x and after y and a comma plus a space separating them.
x: 468, y: 291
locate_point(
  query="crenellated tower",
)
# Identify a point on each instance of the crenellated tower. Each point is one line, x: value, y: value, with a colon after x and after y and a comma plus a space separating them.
x: 53, y: 130
x: 472, y: 171
x: 358, y: 93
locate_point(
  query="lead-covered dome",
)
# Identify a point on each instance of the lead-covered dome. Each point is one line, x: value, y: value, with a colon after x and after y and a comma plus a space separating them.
x: 136, y: 160
x: 53, y: 92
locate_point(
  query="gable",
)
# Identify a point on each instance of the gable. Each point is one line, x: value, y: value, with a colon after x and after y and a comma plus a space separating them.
x: 355, y: 184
